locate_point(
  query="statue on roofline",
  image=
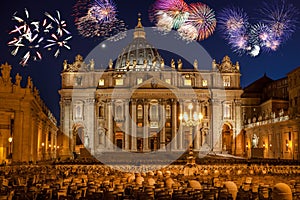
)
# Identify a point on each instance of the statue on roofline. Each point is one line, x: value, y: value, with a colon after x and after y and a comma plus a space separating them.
x: 179, y: 64
x: 18, y: 80
x: 172, y: 64
x: 195, y: 64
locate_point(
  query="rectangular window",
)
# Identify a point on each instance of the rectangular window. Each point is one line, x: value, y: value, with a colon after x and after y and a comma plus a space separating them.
x: 226, y: 81
x: 187, y: 82
x: 101, y: 82
x: 168, y: 80
x: 226, y: 111
x: 119, y: 81
x: 204, y: 83
x: 139, y: 81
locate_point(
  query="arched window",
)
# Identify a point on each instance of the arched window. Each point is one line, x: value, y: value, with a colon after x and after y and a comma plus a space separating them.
x: 154, y: 112
x: 168, y: 111
x: 140, y: 111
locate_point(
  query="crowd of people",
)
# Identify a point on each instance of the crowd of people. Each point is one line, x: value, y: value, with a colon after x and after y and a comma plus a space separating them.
x: 209, y: 182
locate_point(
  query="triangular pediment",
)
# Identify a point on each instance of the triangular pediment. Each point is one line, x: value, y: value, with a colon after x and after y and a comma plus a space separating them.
x: 154, y: 83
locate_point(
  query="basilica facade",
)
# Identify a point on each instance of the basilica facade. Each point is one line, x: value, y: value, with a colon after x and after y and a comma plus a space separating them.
x: 139, y: 104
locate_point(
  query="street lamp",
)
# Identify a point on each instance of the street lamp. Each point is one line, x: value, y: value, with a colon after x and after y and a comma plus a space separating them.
x: 190, y: 120
x: 10, y: 139
x: 43, y: 151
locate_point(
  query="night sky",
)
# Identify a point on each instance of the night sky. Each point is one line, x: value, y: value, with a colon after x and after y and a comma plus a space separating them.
x: 46, y: 73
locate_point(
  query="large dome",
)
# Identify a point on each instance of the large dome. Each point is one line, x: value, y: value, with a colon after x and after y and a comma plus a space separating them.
x: 139, y: 55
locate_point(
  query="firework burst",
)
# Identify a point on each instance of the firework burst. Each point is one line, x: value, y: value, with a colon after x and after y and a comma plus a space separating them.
x: 234, y: 26
x: 26, y: 40
x: 103, y: 10
x: 281, y: 17
x: 58, y: 41
x: 233, y: 22
x: 262, y: 36
x: 31, y: 35
x: 99, y: 20
x: 188, y: 32
x: 203, y: 19
x: 60, y: 24
x: 170, y: 13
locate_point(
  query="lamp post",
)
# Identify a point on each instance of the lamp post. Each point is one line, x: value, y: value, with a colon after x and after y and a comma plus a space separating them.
x: 10, y: 139
x: 190, y: 120
x: 43, y: 151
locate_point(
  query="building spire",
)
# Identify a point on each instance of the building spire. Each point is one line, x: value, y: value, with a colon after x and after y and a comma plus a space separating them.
x: 139, y: 24
x: 139, y: 31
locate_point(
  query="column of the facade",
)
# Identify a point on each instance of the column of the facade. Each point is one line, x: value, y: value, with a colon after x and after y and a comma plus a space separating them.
x: 39, y: 138
x: 203, y: 124
x: 238, y: 126
x: 90, y: 124
x: 180, y: 138
x: 66, y: 119
x: 35, y: 144
x: 133, y: 126
x: 163, y: 126
x: 127, y: 121
x: 52, y: 149
x: 43, y: 140
x: 109, y: 140
x: 174, y: 125
x: 197, y: 136
x: 26, y: 149
x: 17, y: 136
x: 55, y: 144
x: 146, y: 126
x: 45, y: 132
x: 216, y: 122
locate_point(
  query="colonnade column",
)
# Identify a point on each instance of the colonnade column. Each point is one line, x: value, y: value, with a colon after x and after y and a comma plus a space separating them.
x: 174, y: 125
x: 146, y: 126
x: 133, y: 126
x: 127, y: 120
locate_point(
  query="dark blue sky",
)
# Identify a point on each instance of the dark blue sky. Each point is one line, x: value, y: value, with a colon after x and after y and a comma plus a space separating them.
x: 46, y: 73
